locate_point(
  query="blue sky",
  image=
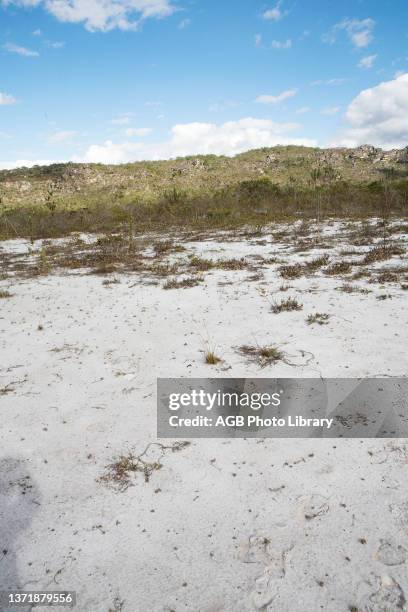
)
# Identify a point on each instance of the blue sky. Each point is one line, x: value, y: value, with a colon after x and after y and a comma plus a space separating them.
x: 120, y: 80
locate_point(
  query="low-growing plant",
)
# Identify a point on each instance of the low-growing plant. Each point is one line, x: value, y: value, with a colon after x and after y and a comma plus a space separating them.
x: 184, y: 283
x: 340, y: 267
x: 348, y: 288
x: 288, y: 305
x: 294, y: 271
x: 382, y: 253
x: 107, y: 282
x: 263, y: 355
x: 211, y: 358
x: 321, y: 318
x: 317, y: 263
x: 384, y: 296
x: 5, y: 294
x: 231, y: 264
x: 201, y: 264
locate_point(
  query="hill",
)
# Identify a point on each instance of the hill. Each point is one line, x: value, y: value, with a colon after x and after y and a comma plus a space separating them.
x: 205, y: 188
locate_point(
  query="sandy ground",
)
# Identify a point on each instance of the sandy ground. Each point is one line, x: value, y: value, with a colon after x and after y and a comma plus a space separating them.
x: 225, y: 525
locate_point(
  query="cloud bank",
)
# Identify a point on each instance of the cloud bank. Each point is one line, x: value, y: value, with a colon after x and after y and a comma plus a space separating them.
x: 378, y: 116
x: 194, y: 138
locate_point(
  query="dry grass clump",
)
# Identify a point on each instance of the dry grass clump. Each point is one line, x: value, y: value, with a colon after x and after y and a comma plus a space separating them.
x: 348, y: 288
x: 201, y: 264
x: 387, y: 277
x: 231, y: 264
x: 107, y: 282
x: 162, y: 247
x: 361, y: 274
x: 184, y: 283
x: 5, y: 294
x: 288, y: 305
x: 340, y: 267
x: 211, y: 358
x: 347, y: 252
x: 384, y: 296
x: 298, y: 270
x: 382, y: 253
x: 263, y: 355
x: 321, y: 318
x: 295, y: 271
x: 163, y: 270
x: 119, y: 472
x: 317, y: 263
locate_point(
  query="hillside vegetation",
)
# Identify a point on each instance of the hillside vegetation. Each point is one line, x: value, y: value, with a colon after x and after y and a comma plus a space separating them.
x: 204, y: 190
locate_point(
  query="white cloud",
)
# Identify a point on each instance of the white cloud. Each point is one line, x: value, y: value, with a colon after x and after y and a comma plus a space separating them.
x: 330, y: 110
x: 102, y: 15
x: 123, y: 119
x: 378, y: 116
x: 303, y: 109
x: 258, y: 40
x: 37, y: 33
x: 328, y: 82
x: 274, y: 14
x: 367, y: 62
x: 61, y: 137
x: 184, y: 23
x: 140, y: 132
x: 12, y: 48
x: 7, y: 99
x: 193, y: 138
x: 281, y: 44
x: 284, y: 95
x: 359, y: 31
x: 58, y: 44
x: 27, y: 163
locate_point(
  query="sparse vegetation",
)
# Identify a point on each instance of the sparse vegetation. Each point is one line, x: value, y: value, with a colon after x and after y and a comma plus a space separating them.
x: 382, y: 253
x: 321, y: 318
x: 202, y: 192
x: 263, y: 355
x: 287, y: 305
x: 119, y: 472
x: 348, y: 288
x: 338, y: 268
x: 201, y: 264
x: 291, y: 272
x: 316, y: 264
x: 174, y: 283
x: 5, y: 294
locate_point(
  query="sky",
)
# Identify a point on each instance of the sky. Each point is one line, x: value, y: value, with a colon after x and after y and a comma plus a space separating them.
x: 123, y: 80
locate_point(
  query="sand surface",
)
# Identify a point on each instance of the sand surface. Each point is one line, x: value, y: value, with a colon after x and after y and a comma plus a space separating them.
x: 225, y: 525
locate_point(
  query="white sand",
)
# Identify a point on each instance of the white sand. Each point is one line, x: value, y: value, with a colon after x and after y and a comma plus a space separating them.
x: 222, y: 526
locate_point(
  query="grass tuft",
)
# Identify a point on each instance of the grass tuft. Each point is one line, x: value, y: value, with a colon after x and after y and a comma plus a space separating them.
x: 263, y: 355
x: 288, y: 305
x: 173, y: 283
x: 211, y: 358
x: 321, y: 318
